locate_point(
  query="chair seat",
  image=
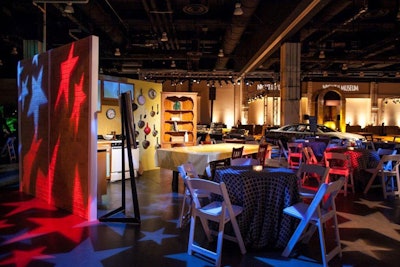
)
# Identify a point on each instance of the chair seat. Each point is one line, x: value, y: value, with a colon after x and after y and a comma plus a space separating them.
x: 215, y: 208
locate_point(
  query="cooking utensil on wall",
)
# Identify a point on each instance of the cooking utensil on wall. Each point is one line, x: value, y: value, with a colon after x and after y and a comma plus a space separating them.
x: 157, y: 109
x: 145, y: 142
x: 141, y: 122
x: 152, y: 113
x: 141, y: 98
x: 157, y: 144
x: 155, y: 132
x: 147, y: 129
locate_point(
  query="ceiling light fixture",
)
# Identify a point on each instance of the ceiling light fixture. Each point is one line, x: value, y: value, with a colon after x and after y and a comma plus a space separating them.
x: 69, y: 9
x: 344, y: 66
x: 238, y: 9
x: 173, y: 65
x: 321, y: 54
x: 164, y: 37
x: 221, y: 53
x: 117, y: 52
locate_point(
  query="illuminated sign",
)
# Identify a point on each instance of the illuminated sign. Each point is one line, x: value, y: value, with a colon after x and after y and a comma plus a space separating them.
x: 343, y: 87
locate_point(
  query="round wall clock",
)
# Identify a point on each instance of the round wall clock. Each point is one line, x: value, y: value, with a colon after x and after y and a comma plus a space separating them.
x: 110, y: 113
x: 152, y: 93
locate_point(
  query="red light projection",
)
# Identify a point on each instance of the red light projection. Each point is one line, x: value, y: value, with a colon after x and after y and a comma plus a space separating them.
x: 29, y: 161
x: 22, y: 258
x: 66, y: 70
x: 79, y: 99
x: 56, y: 125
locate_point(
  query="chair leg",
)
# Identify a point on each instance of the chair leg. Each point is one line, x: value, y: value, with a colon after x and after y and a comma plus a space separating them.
x: 322, y: 242
x: 183, y: 215
x: 191, y: 233
x: 295, y: 237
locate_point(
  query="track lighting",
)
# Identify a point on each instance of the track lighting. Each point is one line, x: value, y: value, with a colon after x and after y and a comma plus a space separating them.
x: 221, y: 53
x: 117, y: 53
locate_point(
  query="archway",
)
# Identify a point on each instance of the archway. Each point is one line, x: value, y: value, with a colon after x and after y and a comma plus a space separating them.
x: 330, y: 108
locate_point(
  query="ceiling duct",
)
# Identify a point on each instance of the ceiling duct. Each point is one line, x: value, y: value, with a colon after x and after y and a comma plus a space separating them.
x: 235, y: 32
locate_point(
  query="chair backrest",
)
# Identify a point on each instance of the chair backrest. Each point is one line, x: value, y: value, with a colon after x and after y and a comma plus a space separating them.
x: 311, y: 170
x: 295, y: 147
x: 187, y: 169
x: 262, y: 153
x: 386, y: 151
x: 309, y: 155
x: 282, y: 148
x: 388, y: 162
x: 237, y: 152
x: 218, y: 189
x: 244, y: 162
x: 336, y: 159
x: 324, y: 198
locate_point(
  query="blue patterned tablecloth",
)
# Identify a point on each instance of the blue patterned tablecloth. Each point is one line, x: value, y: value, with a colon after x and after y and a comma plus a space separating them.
x: 263, y: 196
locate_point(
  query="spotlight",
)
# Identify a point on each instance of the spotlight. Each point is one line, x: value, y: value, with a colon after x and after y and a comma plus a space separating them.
x: 238, y: 9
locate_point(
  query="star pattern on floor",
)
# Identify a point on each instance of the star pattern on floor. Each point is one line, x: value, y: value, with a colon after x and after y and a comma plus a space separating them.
x: 282, y: 261
x: 49, y: 225
x: 156, y: 236
x: 376, y: 222
x: 372, y: 204
x: 23, y: 257
x: 362, y: 246
x: 84, y: 255
x: 27, y: 205
x: 190, y: 260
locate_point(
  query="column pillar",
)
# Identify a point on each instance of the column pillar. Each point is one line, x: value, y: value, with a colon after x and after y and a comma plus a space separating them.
x: 290, y: 83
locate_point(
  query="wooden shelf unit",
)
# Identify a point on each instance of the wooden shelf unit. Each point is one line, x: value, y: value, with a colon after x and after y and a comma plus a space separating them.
x: 178, y: 115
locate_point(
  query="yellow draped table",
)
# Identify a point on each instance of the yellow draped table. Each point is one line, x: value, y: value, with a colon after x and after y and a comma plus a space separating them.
x: 200, y: 156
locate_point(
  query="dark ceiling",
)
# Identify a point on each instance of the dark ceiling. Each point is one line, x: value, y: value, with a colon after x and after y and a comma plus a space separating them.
x: 363, y: 35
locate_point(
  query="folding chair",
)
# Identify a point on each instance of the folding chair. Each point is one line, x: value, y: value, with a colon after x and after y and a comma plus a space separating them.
x: 340, y: 165
x: 187, y: 170
x: 307, y: 172
x: 262, y: 153
x: 388, y: 171
x: 310, y: 157
x: 295, y: 154
x: 220, y: 212
x: 314, y: 215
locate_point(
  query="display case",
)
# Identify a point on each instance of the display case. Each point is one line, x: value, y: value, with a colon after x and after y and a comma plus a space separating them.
x: 178, y: 119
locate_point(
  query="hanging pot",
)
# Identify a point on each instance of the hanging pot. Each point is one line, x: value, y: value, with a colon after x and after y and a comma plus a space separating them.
x: 141, y: 98
x: 145, y: 143
x: 157, y: 144
x: 152, y: 113
x: 155, y: 132
x: 134, y: 105
x: 147, y: 129
x: 136, y: 131
x: 141, y: 122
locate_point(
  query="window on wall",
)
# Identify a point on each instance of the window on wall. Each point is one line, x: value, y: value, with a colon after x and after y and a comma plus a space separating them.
x: 113, y: 89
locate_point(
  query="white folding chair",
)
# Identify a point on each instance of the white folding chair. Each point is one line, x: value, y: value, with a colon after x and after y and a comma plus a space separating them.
x: 388, y: 170
x: 295, y: 154
x: 310, y: 157
x: 314, y: 215
x: 308, y: 172
x: 340, y: 165
x: 386, y: 151
x: 187, y: 170
x: 220, y: 212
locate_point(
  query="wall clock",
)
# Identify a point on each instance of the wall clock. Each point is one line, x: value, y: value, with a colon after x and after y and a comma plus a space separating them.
x: 110, y: 113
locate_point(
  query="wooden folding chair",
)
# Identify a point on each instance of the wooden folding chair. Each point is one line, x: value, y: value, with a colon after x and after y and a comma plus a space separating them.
x: 340, y: 165
x: 262, y: 153
x: 307, y: 172
x: 313, y: 216
x: 186, y: 171
x: 220, y: 212
x: 295, y: 154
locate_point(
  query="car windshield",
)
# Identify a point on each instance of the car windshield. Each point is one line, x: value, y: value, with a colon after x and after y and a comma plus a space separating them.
x: 326, y: 129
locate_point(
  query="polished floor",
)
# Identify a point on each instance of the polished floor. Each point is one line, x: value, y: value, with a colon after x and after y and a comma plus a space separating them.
x: 34, y: 234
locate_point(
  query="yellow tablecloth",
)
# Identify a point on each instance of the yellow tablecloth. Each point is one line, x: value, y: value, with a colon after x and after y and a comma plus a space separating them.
x: 200, y: 156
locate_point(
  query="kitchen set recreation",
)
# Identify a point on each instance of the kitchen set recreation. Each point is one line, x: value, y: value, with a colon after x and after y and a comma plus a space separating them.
x: 161, y: 119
